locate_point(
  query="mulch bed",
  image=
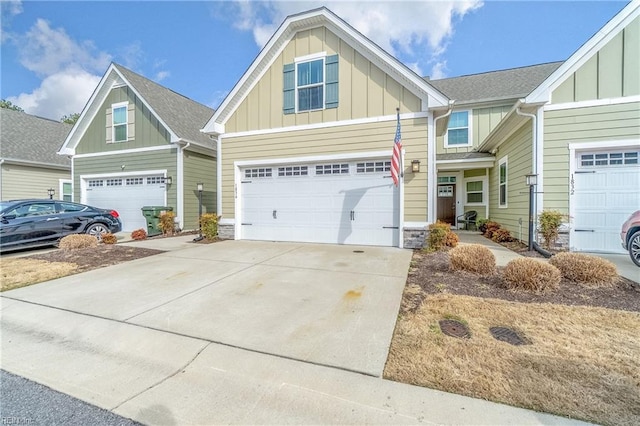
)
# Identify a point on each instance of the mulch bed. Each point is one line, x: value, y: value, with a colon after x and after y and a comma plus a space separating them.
x: 97, y: 257
x: 430, y: 271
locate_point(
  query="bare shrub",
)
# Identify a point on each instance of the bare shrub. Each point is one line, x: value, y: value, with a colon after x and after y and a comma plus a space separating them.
x: 474, y: 258
x: 437, y: 234
x: 139, y: 234
x: 109, y: 238
x: 585, y: 269
x: 209, y: 224
x: 451, y: 239
x: 167, y: 223
x: 502, y: 236
x: 531, y: 275
x: 78, y: 241
x: 490, y: 228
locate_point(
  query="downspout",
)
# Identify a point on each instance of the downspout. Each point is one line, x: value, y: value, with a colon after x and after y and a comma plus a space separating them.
x: 432, y: 177
x: 180, y: 181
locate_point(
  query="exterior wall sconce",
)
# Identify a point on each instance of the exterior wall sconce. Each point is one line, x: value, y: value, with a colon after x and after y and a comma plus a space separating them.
x: 51, y: 191
x: 168, y: 180
x: 415, y: 166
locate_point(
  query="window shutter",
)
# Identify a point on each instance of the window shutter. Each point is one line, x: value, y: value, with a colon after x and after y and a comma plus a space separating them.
x: 331, y: 83
x: 289, y: 101
x: 109, y: 124
x: 131, y: 125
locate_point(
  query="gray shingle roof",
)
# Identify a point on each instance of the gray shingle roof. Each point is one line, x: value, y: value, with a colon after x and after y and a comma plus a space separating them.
x: 184, y: 116
x: 504, y: 84
x: 463, y: 156
x: 30, y: 138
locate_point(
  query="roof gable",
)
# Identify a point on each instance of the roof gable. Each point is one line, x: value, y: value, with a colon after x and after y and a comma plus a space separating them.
x: 31, y: 139
x: 542, y: 93
x: 181, y: 116
x: 431, y: 97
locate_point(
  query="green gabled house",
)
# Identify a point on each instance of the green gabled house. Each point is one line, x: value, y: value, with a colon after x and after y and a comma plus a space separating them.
x: 138, y: 143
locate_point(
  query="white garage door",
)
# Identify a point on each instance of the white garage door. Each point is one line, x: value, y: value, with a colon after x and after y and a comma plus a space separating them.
x: 606, y: 191
x: 127, y: 195
x: 338, y: 203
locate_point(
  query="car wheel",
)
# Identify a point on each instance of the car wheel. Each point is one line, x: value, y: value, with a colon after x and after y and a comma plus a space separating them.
x: 96, y: 230
x: 634, y: 248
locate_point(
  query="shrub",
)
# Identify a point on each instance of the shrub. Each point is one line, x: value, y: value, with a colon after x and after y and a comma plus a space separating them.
x: 502, y: 236
x: 550, y: 221
x: 585, y: 269
x: 474, y: 258
x: 209, y: 223
x: 109, y: 238
x: 531, y: 274
x: 491, y: 227
x: 139, y: 234
x: 482, y: 225
x: 167, y: 223
x: 440, y: 236
x: 78, y: 241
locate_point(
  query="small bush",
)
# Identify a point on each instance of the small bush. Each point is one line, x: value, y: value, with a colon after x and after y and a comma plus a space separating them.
x: 550, y: 221
x: 167, y: 223
x: 474, y: 258
x: 78, y: 241
x: 585, y: 269
x: 491, y: 227
x: 482, y: 225
x: 109, y: 238
x: 440, y: 236
x: 531, y: 275
x: 451, y: 239
x: 209, y: 223
x: 139, y: 234
x: 501, y: 236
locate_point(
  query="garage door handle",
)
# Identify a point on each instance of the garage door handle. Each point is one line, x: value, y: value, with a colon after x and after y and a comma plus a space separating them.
x: 584, y: 230
x: 390, y: 227
x: 275, y: 214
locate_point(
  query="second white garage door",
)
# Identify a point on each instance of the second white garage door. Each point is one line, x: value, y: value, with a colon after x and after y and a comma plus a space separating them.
x: 127, y: 195
x: 338, y: 203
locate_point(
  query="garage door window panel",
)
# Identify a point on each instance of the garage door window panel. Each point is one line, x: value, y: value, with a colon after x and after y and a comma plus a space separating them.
x: 332, y: 169
x: 373, y: 167
x: 606, y: 159
x: 293, y: 171
x: 258, y: 173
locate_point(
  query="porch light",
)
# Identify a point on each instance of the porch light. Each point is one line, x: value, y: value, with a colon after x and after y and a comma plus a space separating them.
x: 200, y: 188
x: 51, y: 191
x: 168, y: 180
x: 532, y: 180
x: 415, y: 166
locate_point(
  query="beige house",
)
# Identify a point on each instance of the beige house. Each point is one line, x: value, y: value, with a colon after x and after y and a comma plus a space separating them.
x: 29, y: 166
x: 304, y: 140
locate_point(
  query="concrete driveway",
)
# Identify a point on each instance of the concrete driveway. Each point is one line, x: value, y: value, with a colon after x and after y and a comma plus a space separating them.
x: 324, y: 304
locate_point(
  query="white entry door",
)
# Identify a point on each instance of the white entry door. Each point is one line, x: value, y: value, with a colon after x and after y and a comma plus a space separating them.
x: 338, y: 203
x: 605, y: 194
x: 127, y: 195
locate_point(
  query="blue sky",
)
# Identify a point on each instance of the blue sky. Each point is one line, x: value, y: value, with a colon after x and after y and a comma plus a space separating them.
x: 54, y: 53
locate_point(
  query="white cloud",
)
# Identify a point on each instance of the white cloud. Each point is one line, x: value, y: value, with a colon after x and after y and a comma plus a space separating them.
x: 11, y: 7
x: 416, y: 32
x: 62, y: 93
x: 161, y: 75
x: 438, y: 70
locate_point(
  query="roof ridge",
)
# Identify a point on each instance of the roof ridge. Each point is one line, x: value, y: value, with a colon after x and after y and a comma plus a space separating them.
x: 35, y: 116
x: 496, y: 71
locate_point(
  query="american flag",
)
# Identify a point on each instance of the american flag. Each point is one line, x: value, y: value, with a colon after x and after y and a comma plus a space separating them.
x: 396, y: 158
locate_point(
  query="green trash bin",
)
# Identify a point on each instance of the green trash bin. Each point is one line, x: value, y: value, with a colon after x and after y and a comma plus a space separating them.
x: 152, y: 217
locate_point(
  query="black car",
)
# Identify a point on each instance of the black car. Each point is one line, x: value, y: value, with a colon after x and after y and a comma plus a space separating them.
x: 30, y: 223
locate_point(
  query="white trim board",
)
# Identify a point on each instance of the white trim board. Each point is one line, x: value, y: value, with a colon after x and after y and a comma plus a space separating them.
x: 592, y: 103
x: 125, y: 151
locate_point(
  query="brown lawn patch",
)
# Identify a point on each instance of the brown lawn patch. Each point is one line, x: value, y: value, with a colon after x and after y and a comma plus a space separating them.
x: 21, y: 272
x: 581, y: 360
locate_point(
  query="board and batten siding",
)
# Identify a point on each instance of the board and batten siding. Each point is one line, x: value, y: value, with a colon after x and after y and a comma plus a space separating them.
x: 136, y: 162
x: 364, y: 89
x: 198, y: 168
x: 331, y: 141
x: 592, y: 124
x: 20, y: 181
x: 613, y: 72
x: 147, y: 130
x: 483, y: 121
x: 518, y: 151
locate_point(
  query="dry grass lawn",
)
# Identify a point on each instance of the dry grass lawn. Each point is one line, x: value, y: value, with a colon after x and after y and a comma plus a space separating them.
x: 582, y: 362
x: 19, y: 272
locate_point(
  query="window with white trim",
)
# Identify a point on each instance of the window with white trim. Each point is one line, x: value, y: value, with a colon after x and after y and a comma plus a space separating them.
x: 119, y: 122
x: 293, y: 171
x: 67, y: 190
x: 609, y: 159
x: 258, y: 172
x: 458, y: 131
x: 310, y: 85
x: 502, y: 182
x: 446, y: 179
x: 373, y: 167
x: 445, y: 191
x: 475, y: 191
x: 332, y: 169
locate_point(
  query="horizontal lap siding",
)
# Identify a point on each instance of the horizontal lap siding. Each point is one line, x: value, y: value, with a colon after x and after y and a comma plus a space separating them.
x: 198, y: 168
x: 330, y: 141
x: 30, y: 182
x: 593, y: 124
x: 518, y: 148
x: 159, y: 160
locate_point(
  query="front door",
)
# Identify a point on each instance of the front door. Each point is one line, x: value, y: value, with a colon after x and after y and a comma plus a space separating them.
x: 447, y: 203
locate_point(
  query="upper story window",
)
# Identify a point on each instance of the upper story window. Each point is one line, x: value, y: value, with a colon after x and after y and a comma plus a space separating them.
x: 119, y: 122
x: 502, y: 182
x: 458, y: 132
x: 310, y: 83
